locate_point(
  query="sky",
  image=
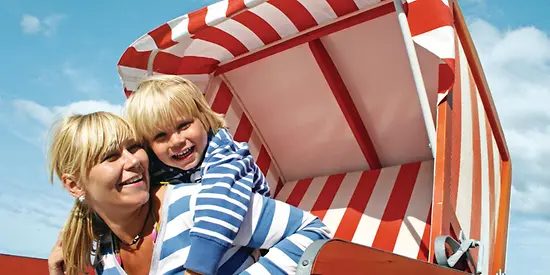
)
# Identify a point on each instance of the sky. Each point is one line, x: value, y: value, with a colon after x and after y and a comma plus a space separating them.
x: 60, y: 56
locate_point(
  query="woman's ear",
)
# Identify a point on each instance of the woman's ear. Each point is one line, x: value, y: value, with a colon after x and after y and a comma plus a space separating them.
x: 70, y: 183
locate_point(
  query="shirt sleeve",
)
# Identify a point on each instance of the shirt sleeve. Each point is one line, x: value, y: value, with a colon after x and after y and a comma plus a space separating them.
x: 283, y: 229
x: 221, y: 206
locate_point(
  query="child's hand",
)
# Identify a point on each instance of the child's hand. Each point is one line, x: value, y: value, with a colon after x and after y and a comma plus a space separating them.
x: 55, y: 260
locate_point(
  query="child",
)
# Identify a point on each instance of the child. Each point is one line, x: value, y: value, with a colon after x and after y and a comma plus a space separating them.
x: 190, y: 144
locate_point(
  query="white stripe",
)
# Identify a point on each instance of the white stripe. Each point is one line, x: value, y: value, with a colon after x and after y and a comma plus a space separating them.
x: 485, y: 211
x: 219, y: 209
x: 255, y: 145
x: 370, y: 221
x: 439, y: 41
x: 212, y: 234
x: 184, y: 192
x: 216, y: 13
x: 208, y: 49
x: 257, y: 269
x: 277, y: 228
x: 173, y: 261
x: 300, y: 241
x: 319, y: 9
x: 276, y: 18
x: 253, y: 3
x: 464, y: 194
x: 233, y: 116
x: 145, y: 43
x: 180, y: 30
x: 251, y: 220
x: 496, y: 154
x: 286, y: 190
x: 218, y: 222
x: 228, y: 187
x: 241, y: 33
x: 179, y: 224
x: 212, y: 89
x: 281, y: 260
x: 272, y: 179
x: 366, y: 3
x: 224, y: 198
x: 413, y: 225
x: 180, y: 48
x: 339, y: 205
x: 312, y: 193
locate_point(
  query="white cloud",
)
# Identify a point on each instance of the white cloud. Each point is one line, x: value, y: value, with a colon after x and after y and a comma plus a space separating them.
x: 31, y: 24
x: 46, y: 115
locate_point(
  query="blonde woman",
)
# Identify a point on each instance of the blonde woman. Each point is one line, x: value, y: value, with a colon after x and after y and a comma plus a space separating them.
x: 101, y: 162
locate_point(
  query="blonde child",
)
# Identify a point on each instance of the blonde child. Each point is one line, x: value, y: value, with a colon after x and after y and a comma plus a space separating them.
x: 189, y: 143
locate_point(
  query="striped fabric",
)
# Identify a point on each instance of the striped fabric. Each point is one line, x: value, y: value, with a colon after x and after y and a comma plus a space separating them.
x: 286, y: 239
x: 476, y: 162
x: 194, y: 45
x: 387, y: 208
x: 229, y: 176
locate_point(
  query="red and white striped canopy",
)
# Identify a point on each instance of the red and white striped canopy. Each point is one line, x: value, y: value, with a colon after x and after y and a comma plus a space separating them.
x: 324, y: 86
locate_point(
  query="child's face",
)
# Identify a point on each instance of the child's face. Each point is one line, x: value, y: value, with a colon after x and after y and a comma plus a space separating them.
x: 181, y: 145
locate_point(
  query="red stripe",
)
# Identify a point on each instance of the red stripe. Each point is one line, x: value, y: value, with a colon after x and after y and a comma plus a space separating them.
x: 310, y: 36
x: 127, y: 92
x: 163, y: 36
x: 424, y: 251
x: 387, y: 233
x: 492, y: 216
x: 296, y: 12
x: 167, y: 63
x: 258, y: 26
x: 244, y: 130
x: 342, y: 7
x: 427, y: 15
x: 278, y: 188
x: 475, y: 226
x: 357, y: 205
x: 263, y: 161
x: 225, y: 40
x: 323, y: 202
x: 299, y: 191
x: 134, y: 59
x: 197, y: 20
x: 341, y: 93
x: 456, y: 128
x: 234, y: 6
x: 223, y: 99
x: 446, y: 75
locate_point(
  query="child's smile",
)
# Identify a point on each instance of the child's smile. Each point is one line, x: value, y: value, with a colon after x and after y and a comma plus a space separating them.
x: 182, y: 144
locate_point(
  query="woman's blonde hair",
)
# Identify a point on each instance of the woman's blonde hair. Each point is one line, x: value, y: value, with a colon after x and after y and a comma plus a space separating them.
x: 162, y: 100
x: 79, y: 143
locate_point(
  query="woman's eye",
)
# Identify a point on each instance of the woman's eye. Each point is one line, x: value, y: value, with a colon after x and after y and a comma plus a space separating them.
x: 159, y: 136
x: 134, y: 148
x: 111, y: 157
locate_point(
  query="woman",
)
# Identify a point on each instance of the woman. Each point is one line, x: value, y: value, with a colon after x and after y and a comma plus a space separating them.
x: 135, y: 229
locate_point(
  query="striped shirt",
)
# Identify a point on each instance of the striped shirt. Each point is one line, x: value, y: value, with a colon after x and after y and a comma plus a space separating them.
x: 229, y: 176
x: 269, y: 224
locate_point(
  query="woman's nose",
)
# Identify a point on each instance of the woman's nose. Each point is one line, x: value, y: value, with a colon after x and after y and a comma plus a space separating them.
x: 130, y: 160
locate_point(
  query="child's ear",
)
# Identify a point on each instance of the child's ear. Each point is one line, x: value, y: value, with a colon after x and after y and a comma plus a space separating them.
x: 70, y: 183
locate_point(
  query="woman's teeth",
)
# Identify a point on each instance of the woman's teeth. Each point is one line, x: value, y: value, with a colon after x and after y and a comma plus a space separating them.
x: 132, y: 180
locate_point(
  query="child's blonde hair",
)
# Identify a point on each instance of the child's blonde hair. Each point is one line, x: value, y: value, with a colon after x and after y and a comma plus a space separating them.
x: 80, y: 142
x: 164, y: 99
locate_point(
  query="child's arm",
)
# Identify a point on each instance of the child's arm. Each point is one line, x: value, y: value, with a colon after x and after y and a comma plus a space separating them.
x: 283, y: 229
x: 220, y: 207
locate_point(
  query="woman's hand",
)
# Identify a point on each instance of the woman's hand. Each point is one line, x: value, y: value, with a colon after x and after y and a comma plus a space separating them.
x: 190, y: 272
x: 55, y: 260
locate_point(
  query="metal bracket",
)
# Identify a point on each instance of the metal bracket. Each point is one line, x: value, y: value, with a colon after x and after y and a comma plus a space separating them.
x: 459, y: 249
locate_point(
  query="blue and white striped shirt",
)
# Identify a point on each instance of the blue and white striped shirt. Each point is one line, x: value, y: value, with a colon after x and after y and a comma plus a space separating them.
x: 269, y: 224
x: 229, y: 176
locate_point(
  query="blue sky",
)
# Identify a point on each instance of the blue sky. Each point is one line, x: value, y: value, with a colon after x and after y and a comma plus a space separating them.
x: 59, y: 56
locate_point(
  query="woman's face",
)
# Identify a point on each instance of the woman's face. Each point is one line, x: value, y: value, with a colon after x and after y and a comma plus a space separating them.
x: 120, y: 181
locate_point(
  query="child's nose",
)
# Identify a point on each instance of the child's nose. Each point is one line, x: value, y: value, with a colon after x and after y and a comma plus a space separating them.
x: 177, y: 140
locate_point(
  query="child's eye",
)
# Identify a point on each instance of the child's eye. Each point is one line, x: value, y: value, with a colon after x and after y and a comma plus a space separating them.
x: 184, y: 125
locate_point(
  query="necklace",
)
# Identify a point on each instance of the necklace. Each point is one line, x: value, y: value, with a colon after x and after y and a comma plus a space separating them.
x: 116, y: 239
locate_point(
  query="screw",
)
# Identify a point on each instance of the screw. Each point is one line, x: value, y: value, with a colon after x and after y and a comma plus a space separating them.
x: 305, y: 262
